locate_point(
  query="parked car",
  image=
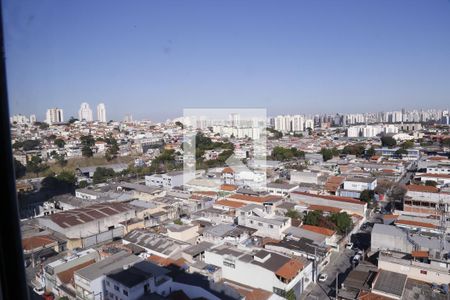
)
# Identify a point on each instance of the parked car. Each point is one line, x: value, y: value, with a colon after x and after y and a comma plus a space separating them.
x: 349, y: 246
x: 357, y: 258
x: 442, y: 289
x: 39, y: 290
x: 323, y: 277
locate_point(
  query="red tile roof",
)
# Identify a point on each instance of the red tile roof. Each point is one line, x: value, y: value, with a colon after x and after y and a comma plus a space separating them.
x: 434, y: 175
x: 290, y: 269
x: 333, y: 198
x: 228, y: 170
x: 164, y: 262
x: 256, y: 199
x: 415, y: 223
x: 324, y: 208
x: 228, y: 187
x: 319, y: 230
x: 229, y: 203
x: 67, y: 275
x: 422, y: 188
x: 420, y: 254
x: 36, y: 242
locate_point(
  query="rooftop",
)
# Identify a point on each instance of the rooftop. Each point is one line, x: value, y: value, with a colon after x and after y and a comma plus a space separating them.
x: 74, y: 217
x: 110, y: 264
x: 390, y: 283
x: 332, y: 198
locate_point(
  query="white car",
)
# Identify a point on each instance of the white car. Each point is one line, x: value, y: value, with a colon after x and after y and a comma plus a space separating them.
x: 323, y: 277
x: 349, y: 246
x: 39, y: 290
x: 357, y: 258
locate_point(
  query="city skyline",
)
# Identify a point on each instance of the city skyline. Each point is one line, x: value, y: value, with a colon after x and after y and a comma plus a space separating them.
x: 334, y: 56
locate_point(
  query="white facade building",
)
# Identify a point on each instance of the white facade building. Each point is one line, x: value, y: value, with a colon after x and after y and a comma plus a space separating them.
x: 101, y: 112
x: 54, y: 115
x: 85, y: 113
x: 275, y: 272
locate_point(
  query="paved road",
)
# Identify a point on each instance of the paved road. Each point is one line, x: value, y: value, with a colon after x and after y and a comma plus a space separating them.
x: 340, y: 263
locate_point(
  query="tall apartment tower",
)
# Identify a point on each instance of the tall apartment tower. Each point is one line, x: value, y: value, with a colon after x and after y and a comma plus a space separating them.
x: 54, y: 115
x: 101, y: 112
x: 85, y: 113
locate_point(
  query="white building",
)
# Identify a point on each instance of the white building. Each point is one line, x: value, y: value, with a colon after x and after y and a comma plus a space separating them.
x: 168, y: 180
x: 266, y: 270
x: 54, y: 115
x: 268, y: 225
x: 101, y: 112
x: 85, y: 113
x: 89, y: 281
x: 368, y: 131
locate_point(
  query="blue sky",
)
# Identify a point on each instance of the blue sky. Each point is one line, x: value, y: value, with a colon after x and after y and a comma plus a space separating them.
x: 153, y: 58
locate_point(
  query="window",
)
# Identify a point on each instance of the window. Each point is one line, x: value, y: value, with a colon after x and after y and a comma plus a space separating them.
x: 125, y: 292
x: 107, y: 283
x: 270, y: 226
x: 116, y: 287
x: 423, y: 272
x: 260, y: 224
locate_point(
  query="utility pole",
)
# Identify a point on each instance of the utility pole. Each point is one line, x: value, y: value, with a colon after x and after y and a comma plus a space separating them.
x: 337, y: 284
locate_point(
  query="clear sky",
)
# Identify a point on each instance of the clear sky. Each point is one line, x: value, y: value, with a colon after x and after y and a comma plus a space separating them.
x: 153, y: 58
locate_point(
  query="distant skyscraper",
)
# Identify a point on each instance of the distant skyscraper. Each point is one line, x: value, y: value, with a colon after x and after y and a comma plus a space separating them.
x: 32, y: 119
x: 101, y: 112
x: 54, y: 115
x: 85, y: 113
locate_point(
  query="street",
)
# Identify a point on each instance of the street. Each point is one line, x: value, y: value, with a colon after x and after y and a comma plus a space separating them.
x: 340, y: 263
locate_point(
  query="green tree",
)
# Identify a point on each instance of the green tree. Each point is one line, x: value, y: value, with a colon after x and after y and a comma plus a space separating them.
x: 179, y: 124
x: 86, y: 151
x: 17, y: 145
x: 35, y: 165
x: 87, y: 140
x: 293, y: 214
x: 31, y: 145
x: 283, y: 154
x: 342, y: 221
x: 68, y: 177
x: 388, y: 141
x: 19, y: 169
x: 83, y: 184
x: 290, y: 295
x: 357, y: 149
x: 72, y: 120
x: 312, y: 218
x: 370, y: 152
x: 446, y: 142
x: 102, y: 174
x: 367, y: 196
x: 43, y: 126
x: 430, y: 183
x: 59, y: 143
x: 275, y: 134
x: 60, y: 159
x: 328, y: 153
x: 407, y: 145
x: 113, y: 148
x: 400, y: 152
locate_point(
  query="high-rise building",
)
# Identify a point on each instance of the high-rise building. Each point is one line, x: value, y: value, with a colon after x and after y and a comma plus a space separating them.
x: 85, y: 113
x: 54, y: 115
x: 101, y: 112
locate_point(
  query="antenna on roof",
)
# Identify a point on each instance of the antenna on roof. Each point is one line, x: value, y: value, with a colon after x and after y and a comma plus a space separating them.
x: 443, y: 224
